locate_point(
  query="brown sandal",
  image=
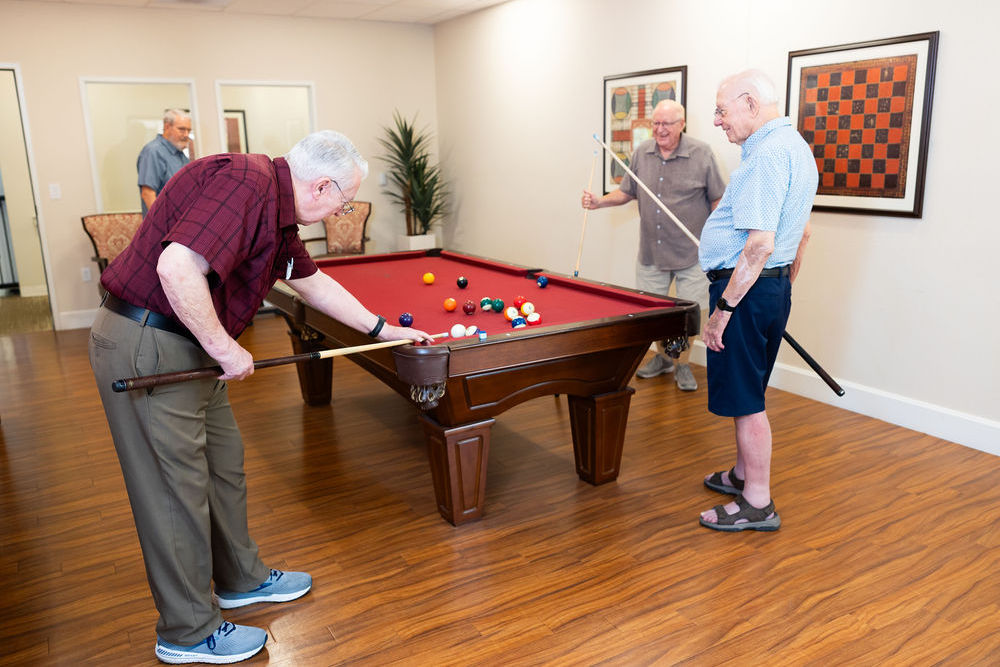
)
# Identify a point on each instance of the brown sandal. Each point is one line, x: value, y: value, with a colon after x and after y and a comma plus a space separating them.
x: 751, y: 518
x: 716, y: 484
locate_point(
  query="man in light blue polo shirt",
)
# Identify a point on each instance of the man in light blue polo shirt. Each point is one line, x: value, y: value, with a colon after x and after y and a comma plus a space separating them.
x: 751, y: 248
x: 163, y: 157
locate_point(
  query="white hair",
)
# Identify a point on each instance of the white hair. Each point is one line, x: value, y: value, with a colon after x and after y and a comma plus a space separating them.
x: 171, y: 116
x: 759, y: 84
x: 326, y: 153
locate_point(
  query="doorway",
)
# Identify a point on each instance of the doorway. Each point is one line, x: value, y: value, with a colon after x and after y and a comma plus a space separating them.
x: 24, y: 296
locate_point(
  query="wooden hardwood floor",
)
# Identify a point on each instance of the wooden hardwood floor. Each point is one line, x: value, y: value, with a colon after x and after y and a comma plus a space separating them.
x: 888, y: 553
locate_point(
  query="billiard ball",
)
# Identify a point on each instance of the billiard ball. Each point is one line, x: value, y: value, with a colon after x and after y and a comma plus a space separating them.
x: 510, y: 313
x: 428, y: 278
x: 486, y: 303
x: 527, y: 308
x: 534, y: 318
x: 498, y: 305
x: 518, y: 301
x: 405, y: 320
x: 469, y: 308
x: 458, y: 331
x: 471, y: 330
x: 450, y: 304
x: 518, y: 322
x: 462, y: 282
x: 542, y: 281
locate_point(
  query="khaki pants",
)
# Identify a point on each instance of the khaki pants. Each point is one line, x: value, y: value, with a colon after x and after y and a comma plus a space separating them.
x: 181, y: 455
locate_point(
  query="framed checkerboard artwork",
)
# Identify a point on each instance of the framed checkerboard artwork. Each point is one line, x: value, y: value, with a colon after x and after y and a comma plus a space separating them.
x: 865, y: 109
x: 628, y: 112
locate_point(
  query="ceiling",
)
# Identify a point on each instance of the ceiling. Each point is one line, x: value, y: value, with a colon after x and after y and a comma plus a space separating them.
x: 403, y: 11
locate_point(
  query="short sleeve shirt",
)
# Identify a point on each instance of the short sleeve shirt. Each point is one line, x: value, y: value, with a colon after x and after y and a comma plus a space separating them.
x: 158, y: 161
x: 772, y: 190
x: 687, y: 182
x: 238, y: 212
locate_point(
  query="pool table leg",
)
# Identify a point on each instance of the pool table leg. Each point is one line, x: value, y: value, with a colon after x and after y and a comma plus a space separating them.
x: 598, y: 425
x: 458, y: 457
x: 315, y: 377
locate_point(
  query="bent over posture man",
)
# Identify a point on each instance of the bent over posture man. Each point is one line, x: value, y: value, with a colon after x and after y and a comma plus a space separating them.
x: 751, y: 249
x: 216, y: 239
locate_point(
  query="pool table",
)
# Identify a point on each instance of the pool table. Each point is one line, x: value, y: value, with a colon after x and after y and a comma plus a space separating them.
x: 590, y: 340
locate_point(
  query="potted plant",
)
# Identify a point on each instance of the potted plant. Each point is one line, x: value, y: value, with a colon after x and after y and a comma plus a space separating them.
x: 415, y: 183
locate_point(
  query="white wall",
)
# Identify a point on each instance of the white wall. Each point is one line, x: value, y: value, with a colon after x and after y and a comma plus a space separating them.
x: 899, y: 309
x: 361, y: 72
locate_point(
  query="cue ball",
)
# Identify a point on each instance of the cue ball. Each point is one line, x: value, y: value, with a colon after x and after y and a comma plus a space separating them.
x: 469, y: 308
x: 462, y: 282
x: 542, y: 281
x: 405, y: 320
x: 450, y: 304
x: 428, y: 278
x: 458, y: 331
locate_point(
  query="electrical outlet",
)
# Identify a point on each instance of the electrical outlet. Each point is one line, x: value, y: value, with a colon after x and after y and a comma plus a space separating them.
x: 85, y: 274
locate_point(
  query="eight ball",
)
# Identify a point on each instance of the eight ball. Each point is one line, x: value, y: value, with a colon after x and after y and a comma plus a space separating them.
x: 462, y: 282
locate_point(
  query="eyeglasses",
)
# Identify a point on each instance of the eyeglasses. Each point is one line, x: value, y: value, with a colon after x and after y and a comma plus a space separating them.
x: 720, y: 113
x: 666, y: 123
x: 346, y: 208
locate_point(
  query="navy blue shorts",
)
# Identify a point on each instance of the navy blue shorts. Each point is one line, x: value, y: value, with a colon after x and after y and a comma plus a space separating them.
x: 737, y: 376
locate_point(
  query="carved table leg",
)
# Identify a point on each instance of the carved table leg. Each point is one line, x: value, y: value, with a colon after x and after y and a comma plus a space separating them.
x: 598, y: 424
x: 458, y: 457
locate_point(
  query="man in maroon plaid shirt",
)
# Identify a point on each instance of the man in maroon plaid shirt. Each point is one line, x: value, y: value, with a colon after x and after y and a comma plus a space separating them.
x: 218, y: 236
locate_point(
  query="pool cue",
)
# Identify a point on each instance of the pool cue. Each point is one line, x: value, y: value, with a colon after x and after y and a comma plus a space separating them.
x: 837, y: 389
x: 694, y: 239
x: 830, y: 382
x: 147, y: 381
x: 579, y: 252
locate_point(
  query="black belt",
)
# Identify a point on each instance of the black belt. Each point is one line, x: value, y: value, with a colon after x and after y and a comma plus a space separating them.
x: 776, y: 272
x: 145, y: 317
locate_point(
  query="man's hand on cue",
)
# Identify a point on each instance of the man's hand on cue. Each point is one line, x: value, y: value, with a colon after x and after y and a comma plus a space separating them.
x: 390, y: 332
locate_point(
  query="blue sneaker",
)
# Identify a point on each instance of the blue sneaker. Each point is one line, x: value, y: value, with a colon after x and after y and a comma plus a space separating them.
x: 230, y: 643
x: 279, y: 587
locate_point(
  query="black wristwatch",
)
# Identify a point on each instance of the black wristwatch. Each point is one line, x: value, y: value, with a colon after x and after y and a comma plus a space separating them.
x: 722, y: 304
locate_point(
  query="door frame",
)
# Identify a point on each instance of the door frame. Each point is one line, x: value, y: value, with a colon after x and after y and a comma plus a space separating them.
x: 43, y: 238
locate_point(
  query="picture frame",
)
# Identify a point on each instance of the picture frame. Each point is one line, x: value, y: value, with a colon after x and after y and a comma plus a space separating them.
x: 628, y: 109
x: 236, y: 130
x: 865, y: 111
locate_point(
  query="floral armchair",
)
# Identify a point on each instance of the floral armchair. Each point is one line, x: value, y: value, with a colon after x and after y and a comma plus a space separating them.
x: 110, y: 233
x: 345, y: 234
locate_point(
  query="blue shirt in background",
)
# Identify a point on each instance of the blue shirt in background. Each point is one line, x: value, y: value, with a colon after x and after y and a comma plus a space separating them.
x: 772, y: 190
x: 158, y: 161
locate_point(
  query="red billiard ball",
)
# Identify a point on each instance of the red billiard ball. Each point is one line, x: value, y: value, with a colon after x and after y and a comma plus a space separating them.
x: 518, y: 301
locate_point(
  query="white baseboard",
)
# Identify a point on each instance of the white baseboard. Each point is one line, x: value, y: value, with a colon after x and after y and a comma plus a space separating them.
x: 959, y: 427
x: 76, y: 319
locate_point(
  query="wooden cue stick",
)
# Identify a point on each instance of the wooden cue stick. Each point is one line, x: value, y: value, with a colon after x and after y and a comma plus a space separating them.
x: 583, y: 231
x: 147, y: 381
x: 694, y: 239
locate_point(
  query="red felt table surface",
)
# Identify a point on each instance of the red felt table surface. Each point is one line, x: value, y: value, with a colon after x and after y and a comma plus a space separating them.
x: 392, y: 284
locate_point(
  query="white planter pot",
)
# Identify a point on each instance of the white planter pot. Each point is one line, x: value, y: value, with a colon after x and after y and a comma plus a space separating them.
x: 418, y: 242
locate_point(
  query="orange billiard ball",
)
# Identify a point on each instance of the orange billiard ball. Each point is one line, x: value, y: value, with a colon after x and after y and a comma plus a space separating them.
x: 450, y: 304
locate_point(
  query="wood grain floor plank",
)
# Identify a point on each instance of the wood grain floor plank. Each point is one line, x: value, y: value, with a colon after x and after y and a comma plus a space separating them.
x: 889, y: 553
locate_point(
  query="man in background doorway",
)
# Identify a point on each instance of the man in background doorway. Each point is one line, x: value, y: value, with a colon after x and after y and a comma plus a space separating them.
x: 163, y: 157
